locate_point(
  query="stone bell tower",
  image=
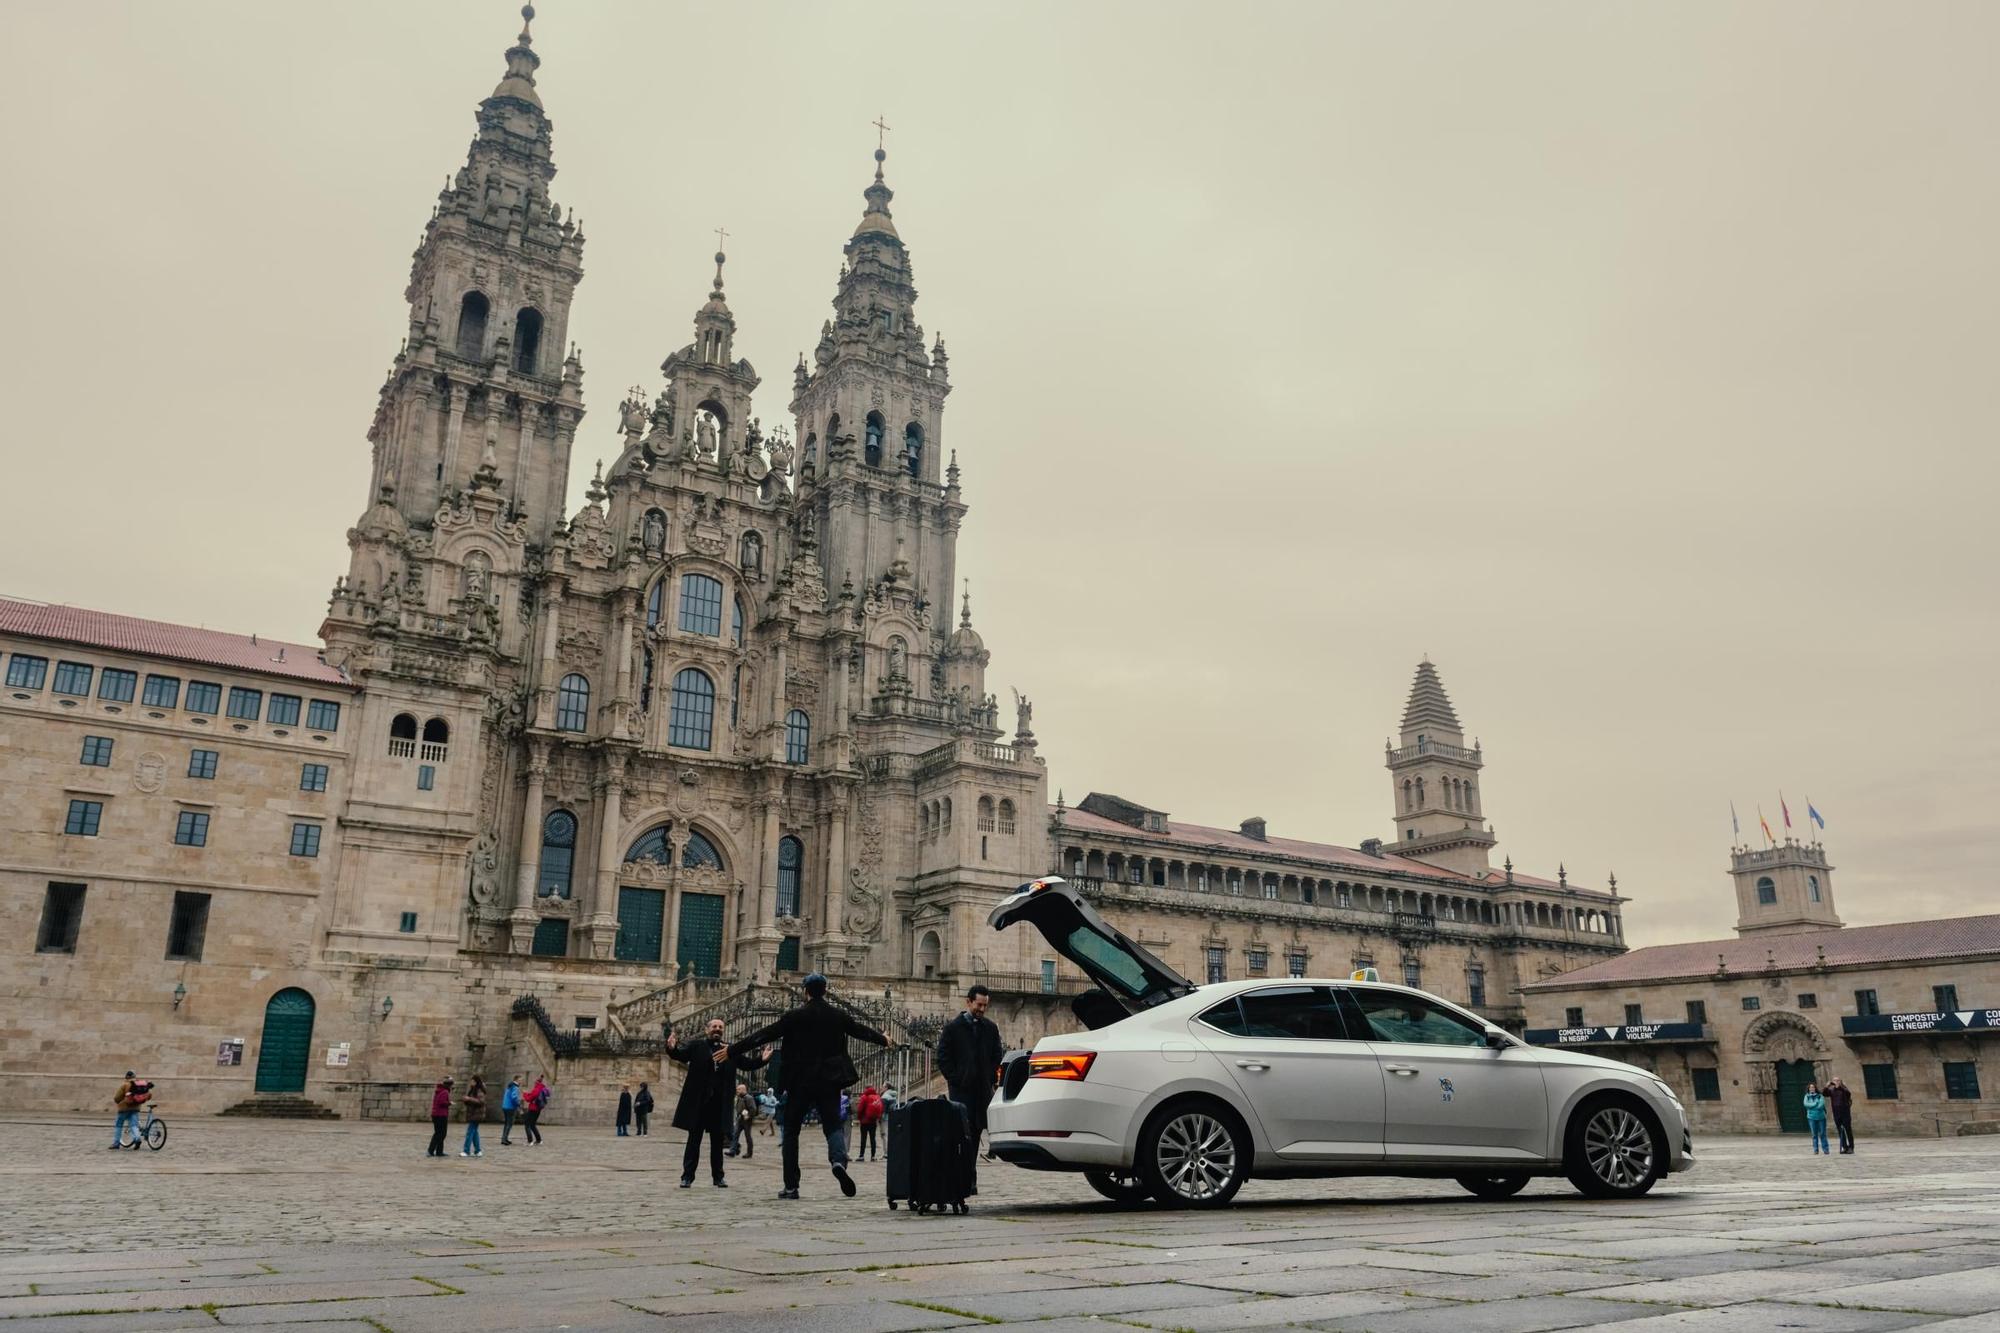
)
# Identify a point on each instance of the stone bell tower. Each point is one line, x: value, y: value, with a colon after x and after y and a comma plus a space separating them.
x: 1783, y: 890
x: 1435, y: 782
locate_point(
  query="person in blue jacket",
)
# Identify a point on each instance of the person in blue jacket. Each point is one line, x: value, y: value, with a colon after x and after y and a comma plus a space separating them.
x: 1816, y: 1118
x: 510, y: 1106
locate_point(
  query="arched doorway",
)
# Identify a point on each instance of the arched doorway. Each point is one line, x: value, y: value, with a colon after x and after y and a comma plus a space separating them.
x: 1791, y: 1078
x: 286, y: 1047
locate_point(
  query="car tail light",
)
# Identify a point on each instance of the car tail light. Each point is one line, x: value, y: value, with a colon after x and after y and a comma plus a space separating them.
x: 1071, y: 1065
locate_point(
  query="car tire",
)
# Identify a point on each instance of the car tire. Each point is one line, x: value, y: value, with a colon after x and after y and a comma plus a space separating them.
x: 1494, y: 1187
x: 1193, y: 1154
x: 1118, y: 1186
x: 1613, y: 1149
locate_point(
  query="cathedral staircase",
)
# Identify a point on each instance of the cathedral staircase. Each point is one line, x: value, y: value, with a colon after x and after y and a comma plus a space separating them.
x: 282, y: 1106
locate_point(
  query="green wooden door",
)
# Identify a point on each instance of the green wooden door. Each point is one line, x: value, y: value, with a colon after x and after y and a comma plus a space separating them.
x: 641, y: 914
x: 699, y: 947
x: 788, y: 954
x: 286, y: 1047
x: 1793, y: 1075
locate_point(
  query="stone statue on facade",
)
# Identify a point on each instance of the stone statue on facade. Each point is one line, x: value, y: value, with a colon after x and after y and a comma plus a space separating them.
x: 704, y: 436
x: 654, y: 532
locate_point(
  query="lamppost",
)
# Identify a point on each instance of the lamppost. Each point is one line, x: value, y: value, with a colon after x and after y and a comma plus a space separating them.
x: 180, y: 993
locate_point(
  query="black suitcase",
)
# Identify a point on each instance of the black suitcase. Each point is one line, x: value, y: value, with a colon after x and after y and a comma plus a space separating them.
x: 930, y: 1156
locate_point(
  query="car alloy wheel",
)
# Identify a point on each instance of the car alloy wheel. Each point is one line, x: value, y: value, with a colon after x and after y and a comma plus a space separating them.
x: 1619, y: 1151
x: 1194, y: 1158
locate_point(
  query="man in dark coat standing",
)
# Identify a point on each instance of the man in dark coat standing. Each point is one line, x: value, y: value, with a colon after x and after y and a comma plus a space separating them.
x: 1840, y: 1101
x: 814, y: 1069
x: 968, y: 1054
x: 708, y: 1096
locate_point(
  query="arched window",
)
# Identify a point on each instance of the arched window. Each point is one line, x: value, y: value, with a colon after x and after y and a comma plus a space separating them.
x: 437, y: 731
x: 472, y: 326
x: 653, y: 845
x: 1767, y: 892
x: 871, y: 443
x: 1420, y: 793
x: 701, y: 605
x: 1812, y: 887
x: 928, y: 949
x: 832, y: 433
x: 985, y: 814
x: 656, y: 603
x: 1006, y: 816
x: 791, y: 859
x: 573, y: 703
x: 736, y: 621
x: 700, y: 852
x: 528, y: 340
x: 1471, y: 799
x: 691, y: 716
x: 403, y: 736
x: 913, y: 449
x: 558, y: 854
x: 944, y: 817
x: 1409, y: 795
x: 752, y: 560
x: 798, y: 737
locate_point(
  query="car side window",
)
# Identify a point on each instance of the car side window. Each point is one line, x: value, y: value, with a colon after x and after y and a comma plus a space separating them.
x: 1302, y: 1013
x: 1400, y: 1016
x: 1225, y: 1017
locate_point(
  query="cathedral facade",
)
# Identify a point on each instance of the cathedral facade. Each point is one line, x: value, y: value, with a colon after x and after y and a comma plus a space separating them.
x: 726, y: 723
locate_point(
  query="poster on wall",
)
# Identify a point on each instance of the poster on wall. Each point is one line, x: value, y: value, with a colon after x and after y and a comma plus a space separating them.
x: 229, y: 1051
x: 336, y: 1056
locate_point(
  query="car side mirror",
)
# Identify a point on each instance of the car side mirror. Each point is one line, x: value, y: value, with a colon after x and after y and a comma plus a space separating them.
x: 1497, y: 1040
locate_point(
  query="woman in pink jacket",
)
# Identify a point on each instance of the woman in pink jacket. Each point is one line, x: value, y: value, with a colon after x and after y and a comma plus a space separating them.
x: 440, y: 1115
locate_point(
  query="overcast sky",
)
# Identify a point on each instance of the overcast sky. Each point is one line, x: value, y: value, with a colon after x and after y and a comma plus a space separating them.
x: 1635, y: 362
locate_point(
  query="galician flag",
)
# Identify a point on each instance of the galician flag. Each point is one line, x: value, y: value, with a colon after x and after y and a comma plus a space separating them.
x: 1735, y: 826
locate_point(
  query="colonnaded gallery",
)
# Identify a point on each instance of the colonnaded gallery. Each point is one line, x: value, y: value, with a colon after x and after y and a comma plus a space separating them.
x: 552, y: 780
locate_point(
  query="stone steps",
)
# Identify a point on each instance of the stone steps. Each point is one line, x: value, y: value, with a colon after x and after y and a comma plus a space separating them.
x: 282, y: 1108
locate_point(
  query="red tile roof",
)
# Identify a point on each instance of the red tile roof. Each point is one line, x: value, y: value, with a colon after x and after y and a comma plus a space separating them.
x: 1236, y: 843
x: 1856, y: 946
x: 154, y: 638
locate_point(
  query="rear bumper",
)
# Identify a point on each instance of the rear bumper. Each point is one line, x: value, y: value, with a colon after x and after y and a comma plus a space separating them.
x: 1055, y: 1125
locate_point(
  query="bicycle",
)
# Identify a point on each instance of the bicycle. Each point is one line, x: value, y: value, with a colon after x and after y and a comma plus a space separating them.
x: 151, y: 1131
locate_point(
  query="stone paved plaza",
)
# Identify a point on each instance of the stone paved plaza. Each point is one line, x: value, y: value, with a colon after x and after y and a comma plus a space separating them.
x: 340, y: 1228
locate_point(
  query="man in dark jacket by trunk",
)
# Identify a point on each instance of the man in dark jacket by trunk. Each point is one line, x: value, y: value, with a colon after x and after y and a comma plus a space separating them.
x: 708, y: 1096
x: 814, y: 1069
x: 968, y: 1054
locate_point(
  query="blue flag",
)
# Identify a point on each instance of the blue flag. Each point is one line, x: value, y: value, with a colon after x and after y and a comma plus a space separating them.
x: 1815, y: 815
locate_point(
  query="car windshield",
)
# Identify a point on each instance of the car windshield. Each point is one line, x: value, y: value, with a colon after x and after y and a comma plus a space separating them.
x: 1111, y: 963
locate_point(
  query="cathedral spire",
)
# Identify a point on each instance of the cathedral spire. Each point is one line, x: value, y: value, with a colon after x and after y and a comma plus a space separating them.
x: 1429, y: 705
x: 522, y: 62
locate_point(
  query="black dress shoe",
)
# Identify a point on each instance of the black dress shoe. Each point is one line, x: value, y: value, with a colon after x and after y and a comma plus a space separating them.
x: 788, y: 1194
x: 688, y: 1183
x: 846, y: 1181
x: 722, y: 1184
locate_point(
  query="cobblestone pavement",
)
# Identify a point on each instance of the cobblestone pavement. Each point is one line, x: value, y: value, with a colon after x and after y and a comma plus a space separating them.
x: 338, y: 1228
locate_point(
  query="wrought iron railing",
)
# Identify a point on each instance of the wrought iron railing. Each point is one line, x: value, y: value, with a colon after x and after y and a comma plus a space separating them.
x: 560, y: 1042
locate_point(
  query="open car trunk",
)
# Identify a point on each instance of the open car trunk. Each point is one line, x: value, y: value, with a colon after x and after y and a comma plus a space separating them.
x: 1125, y: 975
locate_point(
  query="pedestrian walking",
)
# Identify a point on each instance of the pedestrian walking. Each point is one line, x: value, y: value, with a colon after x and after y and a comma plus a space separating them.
x: 531, y: 1112
x: 474, y: 1102
x: 440, y: 1116
x: 131, y: 1095
x: 814, y: 1068
x: 1816, y: 1118
x: 742, y: 1136
x: 624, y: 1120
x: 968, y: 1055
x: 868, y: 1113
x: 642, y: 1106
x: 510, y: 1106
x: 1840, y: 1102
x: 706, y: 1105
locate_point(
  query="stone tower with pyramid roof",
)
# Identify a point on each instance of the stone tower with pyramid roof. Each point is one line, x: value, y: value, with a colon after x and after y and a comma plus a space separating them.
x: 1435, y: 781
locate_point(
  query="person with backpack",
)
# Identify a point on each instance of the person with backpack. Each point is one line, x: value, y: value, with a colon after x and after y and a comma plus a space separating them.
x: 531, y: 1113
x: 131, y: 1095
x: 510, y: 1106
x: 474, y: 1102
x: 868, y: 1113
x: 440, y: 1116
x: 642, y: 1106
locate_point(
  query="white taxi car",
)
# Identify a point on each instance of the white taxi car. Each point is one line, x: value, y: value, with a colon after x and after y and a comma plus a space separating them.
x: 1182, y: 1092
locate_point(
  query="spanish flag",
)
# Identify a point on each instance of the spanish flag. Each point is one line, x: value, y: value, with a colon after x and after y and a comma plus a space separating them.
x: 1767, y: 826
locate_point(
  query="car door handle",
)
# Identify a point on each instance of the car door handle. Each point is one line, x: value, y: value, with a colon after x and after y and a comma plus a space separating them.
x: 1255, y: 1066
x: 1405, y: 1070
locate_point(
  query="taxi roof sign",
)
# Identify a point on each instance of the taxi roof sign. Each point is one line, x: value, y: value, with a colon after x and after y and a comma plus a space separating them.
x: 1364, y: 974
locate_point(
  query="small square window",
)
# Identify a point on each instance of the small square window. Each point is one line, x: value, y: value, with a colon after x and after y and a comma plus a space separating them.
x: 116, y: 686
x: 323, y: 715
x: 551, y: 937
x: 312, y: 777
x: 284, y: 710
x: 62, y: 918
x: 204, y: 697
x: 1961, y: 1080
x: 1295, y: 964
x: 73, y: 678
x: 1634, y: 1015
x: 188, y: 926
x: 1865, y: 1003
x: 426, y: 777
x: 1697, y: 1011
x: 96, y: 751
x: 83, y: 818
x: 1879, y: 1082
x: 1808, y: 1000
x: 305, y: 840
x: 1573, y: 1017
x: 26, y: 672
x: 1475, y: 986
x: 1413, y: 975
x: 245, y: 705
x: 1218, y: 965
x: 191, y: 829
x: 1944, y: 999
x: 1260, y: 960
x: 1707, y: 1085
x: 162, y: 692
x: 1752, y: 1003
x: 408, y: 925
x: 201, y: 763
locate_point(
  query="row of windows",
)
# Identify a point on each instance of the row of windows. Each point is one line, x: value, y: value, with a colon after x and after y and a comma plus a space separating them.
x: 473, y: 312
x: 190, y: 826
x: 690, y: 711
x: 114, y: 685
x: 1944, y: 998
x: 1339, y: 1013
x: 559, y: 852
x: 1878, y: 1082
x: 97, y: 751
x: 62, y: 922
x: 1767, y: 890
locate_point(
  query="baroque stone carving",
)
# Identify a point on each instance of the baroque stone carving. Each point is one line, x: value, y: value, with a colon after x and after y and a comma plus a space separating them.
x: 148, y: 773
x: 486, y: 868
x: 863, y: 917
